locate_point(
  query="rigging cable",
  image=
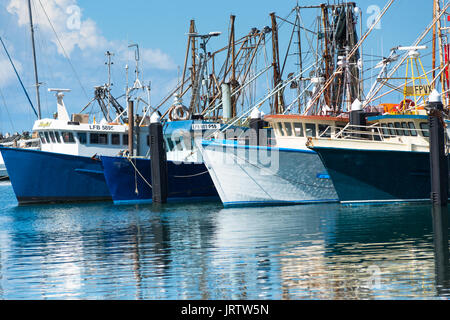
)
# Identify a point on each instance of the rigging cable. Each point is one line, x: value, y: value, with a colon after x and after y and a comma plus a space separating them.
x: 6, y: 108
x: 18, y: 77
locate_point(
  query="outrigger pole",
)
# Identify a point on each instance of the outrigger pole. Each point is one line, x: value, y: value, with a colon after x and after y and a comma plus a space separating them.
x: 38, y: 99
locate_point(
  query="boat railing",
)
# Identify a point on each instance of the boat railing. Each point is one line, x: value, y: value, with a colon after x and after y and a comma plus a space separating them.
x: 374, y: 132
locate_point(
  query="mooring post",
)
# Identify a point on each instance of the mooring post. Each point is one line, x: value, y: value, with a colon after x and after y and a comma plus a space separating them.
x: 158, y: 161
x: 441, y: 250
x: 438, y: 158
x: 357, y: 118
x: 256, y: 125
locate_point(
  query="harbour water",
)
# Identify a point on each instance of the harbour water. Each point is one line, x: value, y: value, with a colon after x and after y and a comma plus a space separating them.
x: 203, y: 251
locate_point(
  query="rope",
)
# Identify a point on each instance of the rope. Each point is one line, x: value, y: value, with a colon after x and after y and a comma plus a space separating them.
x: 137, y: 171
x: 193, y: 175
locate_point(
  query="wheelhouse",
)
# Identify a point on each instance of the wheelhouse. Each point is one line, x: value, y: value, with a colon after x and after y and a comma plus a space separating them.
x: 292, y: 131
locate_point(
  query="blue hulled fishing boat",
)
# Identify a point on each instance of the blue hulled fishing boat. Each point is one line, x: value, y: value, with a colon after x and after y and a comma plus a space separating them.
x: 388, y: 162
x: 129, y: 178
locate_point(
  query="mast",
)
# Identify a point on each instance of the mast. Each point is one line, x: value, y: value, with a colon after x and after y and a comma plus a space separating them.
x: 326, y: 55
x: 278, y: 99
x: 301, y: 83
x: 233, y: 65
x: 441, y: 52
x: 434, y: 40
x: 38, y: 99
x: 109, y: 63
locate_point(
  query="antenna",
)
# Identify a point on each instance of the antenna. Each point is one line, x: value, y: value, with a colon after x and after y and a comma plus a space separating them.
x: 137, y: 83
x: 109, y: 63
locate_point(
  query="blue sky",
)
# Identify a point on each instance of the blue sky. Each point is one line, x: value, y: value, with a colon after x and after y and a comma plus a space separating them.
x: 159, y: 27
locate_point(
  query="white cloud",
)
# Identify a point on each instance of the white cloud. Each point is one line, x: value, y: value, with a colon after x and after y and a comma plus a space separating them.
x: 155, y: 58
x: 73, y: 31
x: 84, y: 34
x: 7, y: 75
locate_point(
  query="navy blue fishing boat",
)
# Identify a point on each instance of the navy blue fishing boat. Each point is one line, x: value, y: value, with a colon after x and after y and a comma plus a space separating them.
x: 391, y: 163
x: 129, y: 180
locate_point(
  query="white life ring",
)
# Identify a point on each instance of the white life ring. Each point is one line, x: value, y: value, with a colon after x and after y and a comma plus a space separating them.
x: 179, y: 112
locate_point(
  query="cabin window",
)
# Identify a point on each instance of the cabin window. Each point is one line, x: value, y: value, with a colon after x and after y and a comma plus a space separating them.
x: 398, y: 127
x: 391, y: 129
x: 82, y: 137
x: 115, y: 139
x: 324, y: 131
x: 310, y: 129
x: 47, y: 137
x: 339, y: 129
x: 125, y: 139
x: 58, y: 137
x: 406, y: 132
x: 148, y: 140
x: 179, y: 143
x: 99, y: 138
x: 68, y: 137
x: 170, y: 144
x: 280, y: 128
x: 42, y: 137
x: 384, y: 129
x: 425, y: 127
x: 412, y: 128
x: 298, y: 130
x: 52, y: 136
x: 288, y: 127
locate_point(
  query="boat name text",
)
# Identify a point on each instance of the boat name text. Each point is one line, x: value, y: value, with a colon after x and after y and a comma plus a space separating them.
x: 206, y: 126
x: 100, y: 127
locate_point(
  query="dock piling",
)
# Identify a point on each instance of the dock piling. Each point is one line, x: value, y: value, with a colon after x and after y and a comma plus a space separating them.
x: 256, y: 125
x: 357, y: 118
x: 438, y: 158
x: 158, y: 161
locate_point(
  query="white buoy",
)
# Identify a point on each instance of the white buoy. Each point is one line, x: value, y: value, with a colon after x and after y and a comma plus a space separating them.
x: 256, y: 114
x: 435, y: 96
x: 155, y: 118
x: 356, y: 105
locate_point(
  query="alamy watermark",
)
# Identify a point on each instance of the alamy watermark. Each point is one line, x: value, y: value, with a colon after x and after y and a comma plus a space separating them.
x: 373, y: 281
x: 374, y: 12
x: 231, y: 147
x: 73, y: 22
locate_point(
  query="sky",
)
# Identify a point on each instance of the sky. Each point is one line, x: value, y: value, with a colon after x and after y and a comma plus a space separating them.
x: 87, y: 29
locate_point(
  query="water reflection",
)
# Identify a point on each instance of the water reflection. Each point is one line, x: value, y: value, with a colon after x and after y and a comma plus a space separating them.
x: 102, y: 251
x: 441, y: 249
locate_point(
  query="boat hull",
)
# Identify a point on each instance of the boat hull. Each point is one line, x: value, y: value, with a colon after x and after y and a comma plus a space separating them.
x: 3, y: 172
x: 47, y: 177
x: 129, y: 181
x: 376, y: 176
x: 261, y: 176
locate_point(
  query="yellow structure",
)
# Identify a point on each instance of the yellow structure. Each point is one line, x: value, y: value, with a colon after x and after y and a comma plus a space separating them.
x: 421, y: 86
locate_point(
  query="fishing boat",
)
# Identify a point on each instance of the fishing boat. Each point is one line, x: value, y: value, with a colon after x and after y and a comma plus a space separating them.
x: 386, y: 158
x: 66, y: 168
x: 285, y: 174
x: 23, y: 140
x: 390, y: 163
x: 129, y: 179
x: 282, y: 170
